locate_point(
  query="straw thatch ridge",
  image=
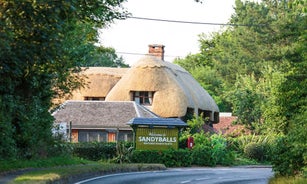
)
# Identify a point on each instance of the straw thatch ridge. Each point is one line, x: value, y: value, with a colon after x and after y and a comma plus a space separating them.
x: 99, y: 81
x: 175, y: 89
x: 100, y: 114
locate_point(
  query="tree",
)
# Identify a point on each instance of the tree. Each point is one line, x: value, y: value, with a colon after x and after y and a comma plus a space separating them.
x: 104, y: 56
x: 262, y: 66
x: 291, y: 157
x: 42, y: 44
x: 246, y: 101
x: 265, y: 40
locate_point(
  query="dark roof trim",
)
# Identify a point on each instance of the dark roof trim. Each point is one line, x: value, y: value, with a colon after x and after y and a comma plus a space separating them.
x: 157, y: 122
x: 98, y: 127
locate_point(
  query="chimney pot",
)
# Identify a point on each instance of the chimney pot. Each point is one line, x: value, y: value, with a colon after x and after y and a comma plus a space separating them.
x: 157, y: 50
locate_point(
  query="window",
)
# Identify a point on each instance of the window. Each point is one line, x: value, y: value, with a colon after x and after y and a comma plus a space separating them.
x: 92, y: 135
x: 125, y: 136
x: 111, y: 137
x: 93, y: 98
x: 143, y: 97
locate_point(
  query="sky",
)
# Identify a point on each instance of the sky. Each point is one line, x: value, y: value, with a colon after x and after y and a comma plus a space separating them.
x: 134, y: 35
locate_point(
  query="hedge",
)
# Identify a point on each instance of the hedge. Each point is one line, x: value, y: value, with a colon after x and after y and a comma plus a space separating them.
x: 170, y: 158
x: 96, y: 150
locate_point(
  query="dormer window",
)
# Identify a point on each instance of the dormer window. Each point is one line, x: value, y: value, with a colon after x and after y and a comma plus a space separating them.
x: 143, y: 97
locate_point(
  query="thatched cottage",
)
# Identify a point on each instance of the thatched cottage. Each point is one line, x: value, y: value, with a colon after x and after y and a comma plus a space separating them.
x: 163, y: 88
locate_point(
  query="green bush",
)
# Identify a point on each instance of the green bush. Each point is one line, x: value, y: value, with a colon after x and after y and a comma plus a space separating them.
x: 201, y: 155
x: 289, y: 158
x: 170, y: 158
x: 61, y: 148
x: 123, y: 153
x: 177, y: 158
x: 221, y: 154
x: 146, y: 156
x: 290, y: 153
x: 268, y: 142
x: 208, y: 151
x: 211, y: 150
x: 254, y: 151
x: 183, y: 142
x: 96, y: 150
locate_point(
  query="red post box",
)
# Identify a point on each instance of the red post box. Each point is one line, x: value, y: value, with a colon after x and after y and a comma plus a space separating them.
x: 190, y: 142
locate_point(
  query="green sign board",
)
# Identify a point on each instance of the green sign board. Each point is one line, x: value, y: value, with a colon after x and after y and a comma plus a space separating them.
x: 157, y: 138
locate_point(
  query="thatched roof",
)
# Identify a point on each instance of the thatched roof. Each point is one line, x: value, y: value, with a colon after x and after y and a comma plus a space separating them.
x: 99, y: 81
x: 100, y: 114
x: 175, y: 89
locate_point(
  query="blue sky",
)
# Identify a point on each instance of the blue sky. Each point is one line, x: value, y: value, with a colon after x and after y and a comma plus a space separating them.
x: 134, y: 36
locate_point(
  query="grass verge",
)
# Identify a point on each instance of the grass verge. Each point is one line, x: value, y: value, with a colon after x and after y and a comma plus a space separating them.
x: 11, y: 165
x: 70, y: 174
x: 288, y: 180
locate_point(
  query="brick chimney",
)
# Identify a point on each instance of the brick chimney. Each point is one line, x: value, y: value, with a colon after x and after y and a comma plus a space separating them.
x: 156, y: 50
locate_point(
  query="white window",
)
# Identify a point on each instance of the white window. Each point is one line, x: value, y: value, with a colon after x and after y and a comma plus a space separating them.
x: 143, y: 97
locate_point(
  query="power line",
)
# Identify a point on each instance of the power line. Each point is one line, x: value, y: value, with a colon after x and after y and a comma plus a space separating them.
x: 134, y: 53
x: 192, y: 22
x: 131, y: 53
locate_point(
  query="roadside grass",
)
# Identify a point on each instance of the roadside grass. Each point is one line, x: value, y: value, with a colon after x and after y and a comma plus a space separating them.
x: 65, y: 169
x: 288, y: 180
x: 68, y: 174
x: 244, y: 161
x: 241, y: 160
x: 12, y: 165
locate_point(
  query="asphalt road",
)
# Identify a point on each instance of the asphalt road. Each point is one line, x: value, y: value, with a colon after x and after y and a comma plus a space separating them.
x: 225, y: 175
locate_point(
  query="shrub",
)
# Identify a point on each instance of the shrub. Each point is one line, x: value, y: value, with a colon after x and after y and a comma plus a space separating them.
x: 221, y: 154
x: 123, y: 153
x: 96, y: 150
x: 211, y: 150
x: 170, y: 158
x: 201, y: 155
x: 290, y: 153
x: 180, y: 157
x: 183, y: 142
x: 289, y: 159
x: 61, y: 148
x: 254, y: 151
x: 268, y: 143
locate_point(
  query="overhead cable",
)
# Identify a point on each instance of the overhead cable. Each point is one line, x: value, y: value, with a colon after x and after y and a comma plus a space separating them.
x: 192, y: 22
x: 133, y: 53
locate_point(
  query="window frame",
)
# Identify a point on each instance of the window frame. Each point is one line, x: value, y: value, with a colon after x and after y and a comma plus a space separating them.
x: 88, y: 135
x: 143, y: 97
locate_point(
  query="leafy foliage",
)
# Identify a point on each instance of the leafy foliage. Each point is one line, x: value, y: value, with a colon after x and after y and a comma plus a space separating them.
x: 102, y: 56
x: 290, y: 153
x: 42, y: 45
x: 254, y: 151
x: 211, y: 150
x: 170, y: 158
x: 259, y: 69
x: 266, y: 142
x: 123, y: 153
x: 244, y: 66
x: 208, y: 151
x: 97, y: 151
